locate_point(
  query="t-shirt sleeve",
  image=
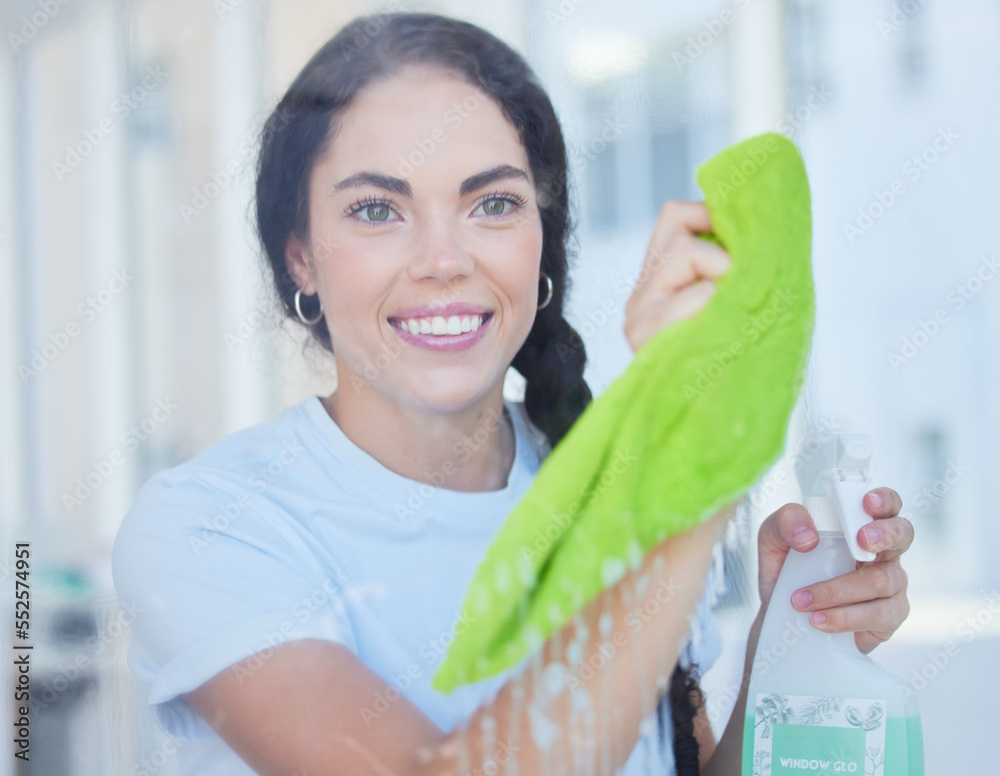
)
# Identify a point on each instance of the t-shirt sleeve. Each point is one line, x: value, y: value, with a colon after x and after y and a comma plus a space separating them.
x: 212, y: 578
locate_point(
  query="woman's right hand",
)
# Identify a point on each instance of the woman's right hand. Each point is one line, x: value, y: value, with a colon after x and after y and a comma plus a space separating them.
x: 676, y: 279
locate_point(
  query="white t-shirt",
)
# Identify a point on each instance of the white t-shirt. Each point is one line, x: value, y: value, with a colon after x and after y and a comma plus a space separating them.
x: 289, y: 530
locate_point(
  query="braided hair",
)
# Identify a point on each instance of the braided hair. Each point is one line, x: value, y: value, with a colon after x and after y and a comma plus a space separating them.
x: 301, y: 129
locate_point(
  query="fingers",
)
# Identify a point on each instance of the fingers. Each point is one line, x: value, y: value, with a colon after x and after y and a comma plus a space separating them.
x: 883, y: 502
x: 679, y: 306
x: 890, y: 537
x: 687, y: 301
x: 676, y: 257
x: 877, y: 620
x: 691, y: 260
x: 691, y: 215
x: 871, y: 581
x: 684, y: 260
x: 871, y: 600
x: 790, y: 527
x: 674, y: 291
x: 675, y: 281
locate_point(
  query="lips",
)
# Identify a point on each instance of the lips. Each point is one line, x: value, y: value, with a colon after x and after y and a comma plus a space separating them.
x: 444, y: 310
x: 436, y: 334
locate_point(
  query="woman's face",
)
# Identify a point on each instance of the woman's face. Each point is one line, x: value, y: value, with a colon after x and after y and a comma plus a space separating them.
x: 423, y: 208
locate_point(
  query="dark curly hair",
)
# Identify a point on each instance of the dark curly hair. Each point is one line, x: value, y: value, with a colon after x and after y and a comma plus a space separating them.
x: 303, y: 125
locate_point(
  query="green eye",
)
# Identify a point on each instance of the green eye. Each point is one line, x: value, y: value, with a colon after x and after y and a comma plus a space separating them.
x: 495, y: 206
x: 501, y: 203
x: 377, y: 212
x: 371, y: 210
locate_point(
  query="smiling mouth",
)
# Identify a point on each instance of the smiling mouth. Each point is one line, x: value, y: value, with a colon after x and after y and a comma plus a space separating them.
x: 439, y: 326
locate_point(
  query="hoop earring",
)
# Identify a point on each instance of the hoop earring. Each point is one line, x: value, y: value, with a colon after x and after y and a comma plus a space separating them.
x: 548, y: 298
x: 298, y: 310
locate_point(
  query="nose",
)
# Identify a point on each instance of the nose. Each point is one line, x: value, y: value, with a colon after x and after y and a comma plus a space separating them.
x: 439, y: 253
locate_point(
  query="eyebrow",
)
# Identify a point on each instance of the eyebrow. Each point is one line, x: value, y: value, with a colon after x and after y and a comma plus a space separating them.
x: 403, y: 188
x: 498, y: 173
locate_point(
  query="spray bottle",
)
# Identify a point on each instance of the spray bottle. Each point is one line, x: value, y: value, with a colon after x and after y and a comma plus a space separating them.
x: 815, y: 704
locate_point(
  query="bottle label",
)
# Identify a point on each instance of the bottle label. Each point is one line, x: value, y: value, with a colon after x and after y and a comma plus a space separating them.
x: 799, y: 734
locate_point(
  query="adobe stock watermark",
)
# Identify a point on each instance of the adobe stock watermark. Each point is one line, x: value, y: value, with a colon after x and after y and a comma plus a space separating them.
x: 913, y: 169
x: 219, y: 180
x: 130, y: 440
x: 764, y: 490
x: 38, y: 21
x: 957, y: 297
x: 938, y: 661
x: 751, y: 331
x: 505, y: 751
x: 223, y: 8
x: 563, y: 11
x: 246, y: 327
x: 740, y: 173
x: 122, y: 107
x: 66, y: 673
x: 550, y: 188
x: 303, y: 610
x: 372, y: 28
x: 934, y: 493
x: 425, y: 147
x: 581, y: 157
x: 899, y: 17
x: 701, y: 41
x: 87, y: 311
x: 374, y: 367
x: 793, y: 121
x: 464, y: 448
x: 722, y: 702
x: 636, y: 619
x: 432, y: 651
x: 598, y: 317
x: 546, y: 536
x: 151, y: 764
x: 259, y: 481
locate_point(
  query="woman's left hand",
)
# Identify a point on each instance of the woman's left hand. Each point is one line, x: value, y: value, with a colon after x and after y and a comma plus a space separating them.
x: 871, y: 600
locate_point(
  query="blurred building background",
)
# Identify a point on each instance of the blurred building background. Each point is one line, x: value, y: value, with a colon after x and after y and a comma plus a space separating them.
x: 136, y: 326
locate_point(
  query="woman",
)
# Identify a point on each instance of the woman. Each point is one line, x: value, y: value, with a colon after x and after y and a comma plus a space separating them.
x: 300, y: 580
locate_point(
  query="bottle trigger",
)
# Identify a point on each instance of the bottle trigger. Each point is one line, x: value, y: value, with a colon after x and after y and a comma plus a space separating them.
x: 846, y: 496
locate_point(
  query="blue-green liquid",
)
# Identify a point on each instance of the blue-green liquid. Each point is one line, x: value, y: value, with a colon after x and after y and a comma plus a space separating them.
x: 904, y: 748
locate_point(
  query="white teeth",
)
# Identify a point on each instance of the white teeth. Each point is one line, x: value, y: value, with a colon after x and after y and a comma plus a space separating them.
x: 441, y: 326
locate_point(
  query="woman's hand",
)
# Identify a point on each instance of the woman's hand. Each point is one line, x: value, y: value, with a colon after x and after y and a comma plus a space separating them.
x: 676, y: 279
x: 871, y: 600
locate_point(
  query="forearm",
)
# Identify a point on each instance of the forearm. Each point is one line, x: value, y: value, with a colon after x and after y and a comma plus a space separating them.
x: 592, y: 713
x: 728, y: 754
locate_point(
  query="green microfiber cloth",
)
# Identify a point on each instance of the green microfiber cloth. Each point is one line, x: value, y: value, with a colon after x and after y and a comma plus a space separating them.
x: 700, y: 414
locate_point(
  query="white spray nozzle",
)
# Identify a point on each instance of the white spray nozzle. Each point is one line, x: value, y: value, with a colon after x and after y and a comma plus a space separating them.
x: 836, y: 466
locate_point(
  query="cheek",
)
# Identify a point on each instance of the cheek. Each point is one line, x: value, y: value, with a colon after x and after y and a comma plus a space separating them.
x: 527, y: 247
x: 355, y: 281
x: 514, y: 254
x: 348, y: 267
